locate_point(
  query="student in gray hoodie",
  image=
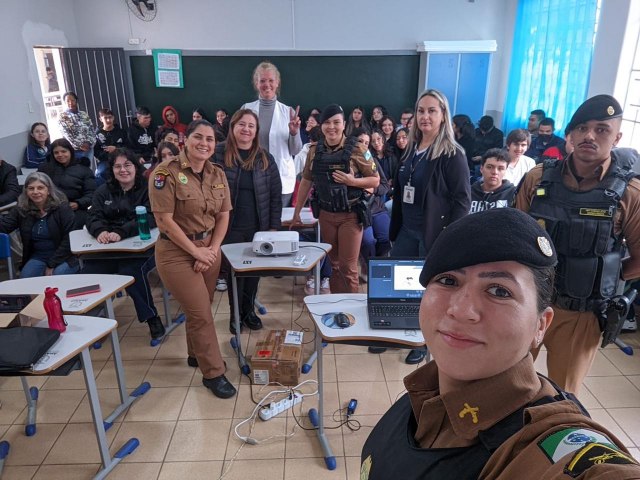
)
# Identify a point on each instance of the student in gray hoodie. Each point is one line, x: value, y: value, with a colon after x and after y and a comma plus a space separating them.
x: 492, y: 190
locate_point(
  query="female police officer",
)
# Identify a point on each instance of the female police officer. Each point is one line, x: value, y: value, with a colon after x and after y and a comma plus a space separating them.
x: 340, y: 172
x: 479, y: 410
x: 190, y: 200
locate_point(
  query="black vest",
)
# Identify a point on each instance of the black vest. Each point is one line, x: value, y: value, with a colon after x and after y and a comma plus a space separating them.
x: 332, y: 196
x: 391, y: 450
x: 581, y: 227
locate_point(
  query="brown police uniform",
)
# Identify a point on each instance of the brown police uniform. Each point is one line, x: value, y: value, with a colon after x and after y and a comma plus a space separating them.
x: 573, y: 338
x: 175, y: 188
x: 342, y: 229
x: 551, y: 441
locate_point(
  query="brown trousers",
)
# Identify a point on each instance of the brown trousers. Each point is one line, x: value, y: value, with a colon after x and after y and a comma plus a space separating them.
x: 572, y: 342
x: 344, y: 233
x: 194, y: 291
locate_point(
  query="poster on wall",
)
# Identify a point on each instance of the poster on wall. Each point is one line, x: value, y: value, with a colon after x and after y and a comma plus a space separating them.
x: 168, y: 68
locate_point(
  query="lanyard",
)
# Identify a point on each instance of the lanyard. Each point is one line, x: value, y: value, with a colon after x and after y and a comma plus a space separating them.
x: 414, y: 166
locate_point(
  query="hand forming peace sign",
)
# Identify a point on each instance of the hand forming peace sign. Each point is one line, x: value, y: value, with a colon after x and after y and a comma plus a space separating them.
x: 294, y: 121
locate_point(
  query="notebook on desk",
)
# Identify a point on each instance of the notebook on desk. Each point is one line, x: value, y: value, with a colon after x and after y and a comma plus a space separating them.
x: 394, y: 293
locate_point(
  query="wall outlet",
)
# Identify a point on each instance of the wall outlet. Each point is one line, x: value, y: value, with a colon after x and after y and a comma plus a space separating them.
x: 134, y: 41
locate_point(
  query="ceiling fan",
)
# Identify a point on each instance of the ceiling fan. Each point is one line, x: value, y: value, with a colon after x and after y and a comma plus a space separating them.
x: 145, y: 10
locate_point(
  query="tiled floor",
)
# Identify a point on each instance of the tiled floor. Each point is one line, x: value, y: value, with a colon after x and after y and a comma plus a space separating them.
x: 186, y: 433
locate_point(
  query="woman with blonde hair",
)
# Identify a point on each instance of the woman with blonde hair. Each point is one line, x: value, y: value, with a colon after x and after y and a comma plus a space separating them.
x: 279, y: 125
x: 432, y: 187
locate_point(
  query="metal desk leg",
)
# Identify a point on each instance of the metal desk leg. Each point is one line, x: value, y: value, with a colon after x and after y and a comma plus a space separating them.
x: 31, y: 395
x: 125, y: 398
x: 317, y: 418
x: 108, y: 463
x: 170, y: 325
x: 236, y: 343
x: 4, y: 452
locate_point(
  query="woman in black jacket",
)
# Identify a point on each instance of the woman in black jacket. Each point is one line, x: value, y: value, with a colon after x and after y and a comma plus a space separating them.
x: 44, y: 220
x: 256, y: 195
x: 111, y: 218
x: 74, y: 179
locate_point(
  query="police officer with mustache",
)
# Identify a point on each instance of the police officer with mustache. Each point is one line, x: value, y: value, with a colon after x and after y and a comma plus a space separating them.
x: 590, y: 206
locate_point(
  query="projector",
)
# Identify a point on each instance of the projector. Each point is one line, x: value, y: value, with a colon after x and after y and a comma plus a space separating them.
x: 276, y: 243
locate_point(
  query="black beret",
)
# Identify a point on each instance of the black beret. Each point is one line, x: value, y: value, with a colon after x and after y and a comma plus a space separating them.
x: 600, y: 107
x: 495, y: 235
x: 329, y: 111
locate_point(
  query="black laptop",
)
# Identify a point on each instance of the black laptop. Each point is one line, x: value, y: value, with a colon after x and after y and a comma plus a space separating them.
x: 394, y: 293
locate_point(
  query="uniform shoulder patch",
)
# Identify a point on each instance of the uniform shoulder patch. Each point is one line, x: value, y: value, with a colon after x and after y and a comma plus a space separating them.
x: 596, y: 454
x: 563, y: 442
x: 365, y: 468
x: 161, y: 171
x: 160, y: 178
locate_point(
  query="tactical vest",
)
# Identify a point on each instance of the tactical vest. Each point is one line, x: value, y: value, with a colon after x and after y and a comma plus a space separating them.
x: 332, y: 196
x: 581, y: 227
x: 392, y: 452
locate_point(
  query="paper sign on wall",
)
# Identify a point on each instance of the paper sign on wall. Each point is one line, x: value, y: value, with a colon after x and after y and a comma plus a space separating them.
x: 168, y: 68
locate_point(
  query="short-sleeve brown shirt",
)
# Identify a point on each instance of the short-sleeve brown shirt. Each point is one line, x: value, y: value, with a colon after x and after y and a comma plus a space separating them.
x: 175, y: 188
x: 359, y: 164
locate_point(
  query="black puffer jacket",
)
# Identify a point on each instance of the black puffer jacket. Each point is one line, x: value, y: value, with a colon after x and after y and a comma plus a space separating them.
x: 114, y: 210
x: 60, y: 222
x: 75, y: 180
x: 267, y: 188
x: 9, y: 187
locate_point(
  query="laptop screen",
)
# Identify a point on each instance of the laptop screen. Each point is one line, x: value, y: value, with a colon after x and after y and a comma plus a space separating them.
x: 395, y: 279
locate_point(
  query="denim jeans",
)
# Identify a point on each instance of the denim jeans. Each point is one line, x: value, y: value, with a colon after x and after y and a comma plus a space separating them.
x: 409, y: 243
x: 101, y: 172
x: 375, y: 239
x: 36, y: 268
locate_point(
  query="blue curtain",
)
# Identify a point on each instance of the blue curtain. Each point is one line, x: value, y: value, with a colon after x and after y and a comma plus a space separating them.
x: 551, y: 60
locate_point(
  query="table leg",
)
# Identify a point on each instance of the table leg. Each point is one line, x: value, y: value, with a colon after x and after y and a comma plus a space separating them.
x: 125, y: 398
x: 170, y: 324
x: 31, y: 395
x: 108, y: 463
x: 317, y: 418
x: 236, y: 342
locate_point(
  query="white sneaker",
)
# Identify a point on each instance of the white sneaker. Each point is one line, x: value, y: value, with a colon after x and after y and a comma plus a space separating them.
x: 221, y: 285
x: 324, y: 286
x: 310, y: 286
x: 630, y: 325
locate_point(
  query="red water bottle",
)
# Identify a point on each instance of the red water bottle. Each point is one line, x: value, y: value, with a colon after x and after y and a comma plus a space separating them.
x: 53, y: 307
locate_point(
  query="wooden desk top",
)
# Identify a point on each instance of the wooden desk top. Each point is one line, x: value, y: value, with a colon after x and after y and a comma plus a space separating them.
x: 109, y: 286
x: 83, y: 243
x: 356, y: 305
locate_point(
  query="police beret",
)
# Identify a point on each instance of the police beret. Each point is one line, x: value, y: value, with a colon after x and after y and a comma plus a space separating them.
x: 600, y: 107
x: 495, y: 235
x: 329, y: 111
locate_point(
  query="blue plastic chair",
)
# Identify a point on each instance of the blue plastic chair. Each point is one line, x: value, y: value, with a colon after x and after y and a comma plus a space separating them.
x: 5, y: 252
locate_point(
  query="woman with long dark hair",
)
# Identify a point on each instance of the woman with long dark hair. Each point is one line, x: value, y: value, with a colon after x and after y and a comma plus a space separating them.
x: 465, y: 134
x: 38, y: 145
x: 256, y: 196
x: 111, y: 218
x: 44, y: 220
x: 357, y: 119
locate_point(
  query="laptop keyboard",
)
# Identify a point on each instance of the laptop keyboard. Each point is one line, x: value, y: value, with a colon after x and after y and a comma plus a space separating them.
x: 394, y: 310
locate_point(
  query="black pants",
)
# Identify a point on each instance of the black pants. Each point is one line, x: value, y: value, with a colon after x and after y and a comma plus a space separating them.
x: 247, y: 286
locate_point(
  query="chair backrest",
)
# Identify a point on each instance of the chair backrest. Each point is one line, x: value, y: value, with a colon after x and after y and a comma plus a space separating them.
x: 5, y: 252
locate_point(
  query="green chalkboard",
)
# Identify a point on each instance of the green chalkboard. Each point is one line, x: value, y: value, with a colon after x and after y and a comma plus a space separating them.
x: 213, y: 82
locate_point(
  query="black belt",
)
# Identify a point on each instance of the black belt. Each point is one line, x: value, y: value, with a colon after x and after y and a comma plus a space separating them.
x: 575, y: 304
x: 193, y: 237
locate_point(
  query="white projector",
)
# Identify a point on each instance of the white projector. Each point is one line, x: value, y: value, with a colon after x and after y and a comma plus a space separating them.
x: 276, y: 243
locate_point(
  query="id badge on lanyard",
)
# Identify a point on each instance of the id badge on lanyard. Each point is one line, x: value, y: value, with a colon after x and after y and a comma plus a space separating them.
x: 409, y: 193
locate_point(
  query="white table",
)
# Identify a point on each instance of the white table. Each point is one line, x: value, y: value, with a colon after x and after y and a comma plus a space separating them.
x: 360, y: 333
x: 81, y: 333
x: 306, y: 216
x: 85, y: 245
x: 245, y: 263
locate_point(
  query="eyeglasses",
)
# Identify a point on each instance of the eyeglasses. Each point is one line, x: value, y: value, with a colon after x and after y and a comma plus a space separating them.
x: 123, y: 166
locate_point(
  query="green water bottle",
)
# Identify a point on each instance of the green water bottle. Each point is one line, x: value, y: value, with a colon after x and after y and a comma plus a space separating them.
x: 143, y: 222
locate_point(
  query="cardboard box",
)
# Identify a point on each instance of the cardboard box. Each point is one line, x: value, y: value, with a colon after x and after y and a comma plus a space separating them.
x: 278, y: 358
x: 31, y: 314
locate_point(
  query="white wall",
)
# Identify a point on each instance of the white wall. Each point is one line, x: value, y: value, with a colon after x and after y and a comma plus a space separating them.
x: 23, y: 24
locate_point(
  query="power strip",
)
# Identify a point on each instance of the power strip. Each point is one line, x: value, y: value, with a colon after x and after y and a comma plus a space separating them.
x: 276, y: 408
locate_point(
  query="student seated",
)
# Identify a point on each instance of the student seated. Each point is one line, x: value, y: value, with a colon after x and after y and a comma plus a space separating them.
x: 479, y: 409
x: 9, y: 187
x: 44, y: 220
x: 111, y: 218
x: 492, y: 190
x: 518, y: 142
x: 544, y: 140
x: 109, y: 137
x: 38, y: 146
x: 72, y: 177
x: 139, y: 135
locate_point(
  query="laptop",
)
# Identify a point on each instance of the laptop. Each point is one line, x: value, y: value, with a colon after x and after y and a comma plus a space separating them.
x: 394, y: 293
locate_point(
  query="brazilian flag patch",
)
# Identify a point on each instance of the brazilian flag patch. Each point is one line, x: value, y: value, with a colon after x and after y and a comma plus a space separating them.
x: 596, y: 454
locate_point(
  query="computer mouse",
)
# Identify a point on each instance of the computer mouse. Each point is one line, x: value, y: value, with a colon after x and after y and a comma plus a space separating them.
x: 341, y: 320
